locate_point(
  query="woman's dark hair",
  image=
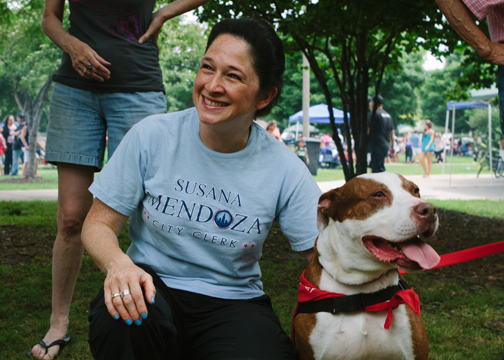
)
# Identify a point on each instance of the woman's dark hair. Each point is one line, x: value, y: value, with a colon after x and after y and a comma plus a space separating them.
x: 6, y: 119
x: 266, y: 48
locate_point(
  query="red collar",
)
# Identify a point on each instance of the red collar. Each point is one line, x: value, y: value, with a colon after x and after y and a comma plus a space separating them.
x: 309, y: 292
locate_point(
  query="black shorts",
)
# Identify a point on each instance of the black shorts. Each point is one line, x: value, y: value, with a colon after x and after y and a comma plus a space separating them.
x: 185, y: 325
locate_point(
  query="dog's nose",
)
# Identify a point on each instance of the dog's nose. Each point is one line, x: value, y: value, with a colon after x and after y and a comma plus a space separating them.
x: 426, y: 211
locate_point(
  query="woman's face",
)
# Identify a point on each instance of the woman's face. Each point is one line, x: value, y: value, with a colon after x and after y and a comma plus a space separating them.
x: 226, y: 89
x: 10, y: 120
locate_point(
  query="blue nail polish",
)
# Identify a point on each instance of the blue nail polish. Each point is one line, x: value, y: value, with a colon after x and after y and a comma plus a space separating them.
x: 138, y: 323
x: 153, y: 300
x: 116, y: 317
x: 144, y: 316
x: 128, y: 322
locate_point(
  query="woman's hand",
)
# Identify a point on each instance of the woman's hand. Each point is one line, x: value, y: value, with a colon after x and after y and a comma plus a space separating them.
x: 130, y: 307
x: 154, y: 28
x: 83, y: 56
x: 166, y: 13
x: 99, y: 236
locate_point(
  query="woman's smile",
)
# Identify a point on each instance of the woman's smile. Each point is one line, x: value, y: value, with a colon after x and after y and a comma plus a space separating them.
x: 213, y: 102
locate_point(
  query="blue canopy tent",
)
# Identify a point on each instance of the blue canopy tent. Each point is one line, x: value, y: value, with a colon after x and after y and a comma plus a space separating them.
x: 479, y: 99
x: 318, y: 114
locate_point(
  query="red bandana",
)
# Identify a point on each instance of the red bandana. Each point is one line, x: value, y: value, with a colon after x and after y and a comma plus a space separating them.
x: 308, y: 292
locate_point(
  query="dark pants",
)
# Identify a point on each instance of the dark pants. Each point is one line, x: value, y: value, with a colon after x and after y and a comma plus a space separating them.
x: 8, y: 160
x: 500, y: 86
x: 409, y: 154
x: 378, y: 160
x: 184, y: 325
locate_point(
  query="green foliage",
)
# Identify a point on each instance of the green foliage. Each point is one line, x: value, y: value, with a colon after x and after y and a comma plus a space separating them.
x: 399, y: 88
x: 351, y: 43
x: 181, y: 47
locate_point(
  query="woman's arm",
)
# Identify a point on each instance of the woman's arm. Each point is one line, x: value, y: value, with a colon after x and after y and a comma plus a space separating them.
x: 432, y: 136
x: 80, y: 53
x: 99, y: 236
x: 166, y: 13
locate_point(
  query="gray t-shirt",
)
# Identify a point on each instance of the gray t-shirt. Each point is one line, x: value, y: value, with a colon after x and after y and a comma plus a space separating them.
x: 199, y: 217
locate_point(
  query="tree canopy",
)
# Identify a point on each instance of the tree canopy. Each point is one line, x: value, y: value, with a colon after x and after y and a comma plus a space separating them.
x: 350, y: 42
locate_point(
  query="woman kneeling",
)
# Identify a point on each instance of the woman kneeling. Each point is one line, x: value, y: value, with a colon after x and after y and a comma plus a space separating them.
x: 203, y: 187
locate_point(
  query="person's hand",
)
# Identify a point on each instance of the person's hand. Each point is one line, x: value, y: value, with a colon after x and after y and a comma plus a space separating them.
x: 130, y: 307
x: 83, y: 57
x: 154, y: 28
x: 27, y: 147
x: 496, y: 54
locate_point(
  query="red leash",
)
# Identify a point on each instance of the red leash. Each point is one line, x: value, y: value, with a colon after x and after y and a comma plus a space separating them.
x: 461, y: 256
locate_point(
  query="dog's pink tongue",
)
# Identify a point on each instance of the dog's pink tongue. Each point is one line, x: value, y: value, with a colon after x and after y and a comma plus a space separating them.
x: 420, y: 252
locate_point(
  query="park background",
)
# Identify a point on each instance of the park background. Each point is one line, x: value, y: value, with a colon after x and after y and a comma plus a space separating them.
x: 462, y: 305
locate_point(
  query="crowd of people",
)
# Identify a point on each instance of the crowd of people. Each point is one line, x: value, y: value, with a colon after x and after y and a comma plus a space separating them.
x: 14, y: 146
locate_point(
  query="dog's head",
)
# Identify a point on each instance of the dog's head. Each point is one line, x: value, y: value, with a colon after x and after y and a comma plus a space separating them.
x: 376, y: 221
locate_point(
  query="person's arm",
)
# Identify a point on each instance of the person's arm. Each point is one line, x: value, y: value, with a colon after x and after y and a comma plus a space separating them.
x: 462, y: 21
x: 307, y: 158
x: 166, y: 13
x: 431, y: 140
x: 23, y: 137
x: 392, y: 137
x: 4, y: 142
x: 99, y: 236
x: 81, y: 54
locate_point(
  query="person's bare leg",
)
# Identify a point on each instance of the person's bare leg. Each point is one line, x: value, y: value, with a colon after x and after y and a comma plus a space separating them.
x: 23, y: 170
x: 422, y: 162
x: 429, y: 163
x: 74, y: 202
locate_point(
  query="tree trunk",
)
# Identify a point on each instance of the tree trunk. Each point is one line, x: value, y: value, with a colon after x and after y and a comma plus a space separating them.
x: 33, y: 115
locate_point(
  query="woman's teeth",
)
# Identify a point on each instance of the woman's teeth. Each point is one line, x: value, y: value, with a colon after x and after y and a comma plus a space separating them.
x: 214, y: 103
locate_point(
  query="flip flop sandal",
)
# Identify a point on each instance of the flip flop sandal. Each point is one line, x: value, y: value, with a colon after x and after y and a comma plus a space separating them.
x: 61, y: 343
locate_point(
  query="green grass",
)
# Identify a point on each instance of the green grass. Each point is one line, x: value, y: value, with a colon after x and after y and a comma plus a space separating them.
x: 461, y: 323
x: 490, y: 208
x: 461, y: 165
x: 49, y: 180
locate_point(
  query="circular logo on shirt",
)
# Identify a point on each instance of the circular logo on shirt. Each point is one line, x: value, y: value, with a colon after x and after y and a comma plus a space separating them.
x: 223, y: 219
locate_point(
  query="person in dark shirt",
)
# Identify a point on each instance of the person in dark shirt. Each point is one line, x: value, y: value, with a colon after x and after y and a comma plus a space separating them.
x: 382, y: 134
x: 108, y: 80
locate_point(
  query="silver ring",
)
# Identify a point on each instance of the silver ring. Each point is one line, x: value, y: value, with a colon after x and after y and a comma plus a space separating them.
x: 115, y: 295
x: 85, y: 71
x: 90, y: 67
x: 124, y: 293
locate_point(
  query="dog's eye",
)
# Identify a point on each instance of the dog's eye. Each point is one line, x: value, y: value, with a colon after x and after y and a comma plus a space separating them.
x: 416, y: 191
x: 378, y: 194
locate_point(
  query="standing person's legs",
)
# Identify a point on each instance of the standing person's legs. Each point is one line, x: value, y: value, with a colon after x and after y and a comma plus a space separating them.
x: 378, y: 161
x: 15, y: 161
x: 74, y: 202
x: 421, y: 157
x: 8, y: 162
x: 429, y: 163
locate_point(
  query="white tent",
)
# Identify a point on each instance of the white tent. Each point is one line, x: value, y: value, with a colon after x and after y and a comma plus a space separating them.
x: 479, y: 99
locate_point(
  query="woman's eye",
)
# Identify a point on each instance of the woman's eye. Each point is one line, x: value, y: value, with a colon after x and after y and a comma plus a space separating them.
x: 234, y: 76
x: 205, y: 66
x: 378, y: 194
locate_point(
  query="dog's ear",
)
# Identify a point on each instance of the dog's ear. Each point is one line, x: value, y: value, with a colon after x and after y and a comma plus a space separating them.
x: 324, y: 208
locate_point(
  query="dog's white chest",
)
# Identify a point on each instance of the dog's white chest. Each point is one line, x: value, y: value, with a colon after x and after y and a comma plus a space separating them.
x: 361, y: 335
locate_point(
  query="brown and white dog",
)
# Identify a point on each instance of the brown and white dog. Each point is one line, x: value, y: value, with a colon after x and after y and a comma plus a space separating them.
x: 369, y: 228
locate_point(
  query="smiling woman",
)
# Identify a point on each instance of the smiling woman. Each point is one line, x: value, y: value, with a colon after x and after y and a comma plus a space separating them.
x: 193, y: 183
